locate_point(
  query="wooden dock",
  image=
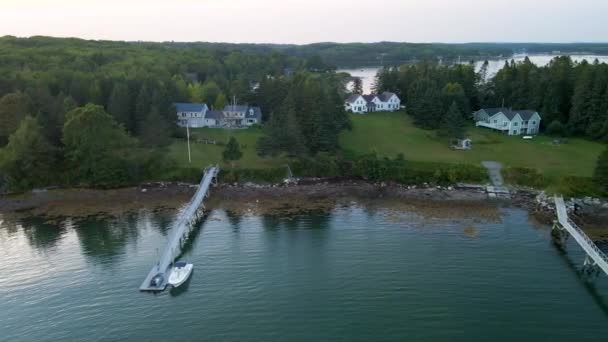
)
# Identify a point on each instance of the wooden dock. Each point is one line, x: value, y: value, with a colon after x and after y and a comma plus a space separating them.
x: 184, y: 223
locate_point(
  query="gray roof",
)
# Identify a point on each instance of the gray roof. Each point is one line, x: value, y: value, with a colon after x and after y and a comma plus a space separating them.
x: 189, y: 107
x: 510, y: 113
x: 353, y: 98
x: 527, y: 114
x: 214, y: 114
x: 369, y: 98
x: 385, y: 96
x: 237, y: 108
x: 255, y: 114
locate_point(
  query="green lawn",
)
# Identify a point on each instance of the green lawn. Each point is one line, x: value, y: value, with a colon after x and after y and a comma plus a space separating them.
x: 204, y: 155
x: 392, y: 133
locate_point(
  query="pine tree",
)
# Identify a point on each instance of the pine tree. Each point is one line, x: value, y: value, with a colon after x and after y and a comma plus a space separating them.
x: 453, y: 124
x: 119, y: 105
x: 232, y: 152
x: 357, y: 85
x: 601, y: 172
x: 13, y: 109
x: 143, y: 105
x: 425, y: 104
x: 155, y: 130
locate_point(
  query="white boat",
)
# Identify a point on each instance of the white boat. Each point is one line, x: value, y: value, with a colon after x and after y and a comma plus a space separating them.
x: 180, y: 273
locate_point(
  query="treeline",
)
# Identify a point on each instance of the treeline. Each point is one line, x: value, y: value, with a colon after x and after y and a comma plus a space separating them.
x: 100, y: 113
x: 571, y: 97
x: 306, y: 114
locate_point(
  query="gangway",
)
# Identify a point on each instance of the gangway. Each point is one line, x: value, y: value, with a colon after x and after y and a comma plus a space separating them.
x: 594, y: 256
x: 181, y: 227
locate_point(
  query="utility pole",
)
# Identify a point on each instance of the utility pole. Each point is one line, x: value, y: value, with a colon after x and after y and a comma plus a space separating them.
x: 188, y: 135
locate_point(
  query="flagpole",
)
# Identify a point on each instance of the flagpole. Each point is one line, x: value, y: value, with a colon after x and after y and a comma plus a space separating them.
x: 188, y: 135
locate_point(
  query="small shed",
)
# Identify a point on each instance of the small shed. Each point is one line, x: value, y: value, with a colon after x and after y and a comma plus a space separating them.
x: 462, y: 144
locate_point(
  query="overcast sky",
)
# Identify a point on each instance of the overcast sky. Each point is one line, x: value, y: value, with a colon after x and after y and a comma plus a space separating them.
x: 307, y: 21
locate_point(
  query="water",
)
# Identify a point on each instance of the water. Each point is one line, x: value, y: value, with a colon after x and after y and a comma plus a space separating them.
x: 368, y: 74
x: 354, y: 274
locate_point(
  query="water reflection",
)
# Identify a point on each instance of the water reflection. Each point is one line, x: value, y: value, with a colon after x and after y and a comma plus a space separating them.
x: 162, y: 220
x: 41, y: 233
x: 103, y: 240
x: 587, y: 280
x: 234, y: 219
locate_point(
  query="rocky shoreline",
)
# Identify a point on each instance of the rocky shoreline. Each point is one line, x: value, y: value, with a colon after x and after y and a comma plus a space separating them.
x: 308, y: 195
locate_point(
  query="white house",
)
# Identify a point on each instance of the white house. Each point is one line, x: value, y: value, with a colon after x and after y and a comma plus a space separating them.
x: 197, y: 115
x: 191, y: 114
x: 385, y: 102
x: 508, y: 121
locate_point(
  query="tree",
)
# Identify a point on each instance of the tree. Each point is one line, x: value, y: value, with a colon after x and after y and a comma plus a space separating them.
x: 425, y: 104
x: 454, y: 93
x: 357, y: 85
x: 96, y: 146
x: 601, y: 172
x: 28, y: 160
x: 232, y: 152
x: 143, y: 104
x: 555, y: 128
x: 155, y: 130
x: 220, y: 102
x: 453, y: 124
x: 210, y: 91
x: 119, y: 105
x: 13, y: 109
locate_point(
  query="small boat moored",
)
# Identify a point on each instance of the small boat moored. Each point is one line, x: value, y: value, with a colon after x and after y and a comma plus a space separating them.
x: 180, y: 273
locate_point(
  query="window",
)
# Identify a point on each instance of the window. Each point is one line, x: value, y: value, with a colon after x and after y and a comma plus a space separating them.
x: 515, y: 124
x: 495, y: 121
x: 534, y: 122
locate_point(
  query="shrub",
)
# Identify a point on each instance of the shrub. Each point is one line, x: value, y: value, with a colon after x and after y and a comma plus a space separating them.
x: 525, y: 177
x: 577, y: 187
x: 556, y: 128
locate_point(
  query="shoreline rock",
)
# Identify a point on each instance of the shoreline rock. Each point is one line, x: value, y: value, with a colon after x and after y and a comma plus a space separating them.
x: 309, y: 194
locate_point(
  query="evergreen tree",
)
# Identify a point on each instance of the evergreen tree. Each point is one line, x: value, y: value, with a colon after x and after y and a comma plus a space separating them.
x: 357, y: 85
x: 232, y: 152
x: 453, y: 124
x: 28, y: 160
x: 601, y: 172
x: 453, y: 92
x: 119, y: 106
x: 425, y: 104
x: 155, y: 130
x: 13, y: 109
x: 143, y: 105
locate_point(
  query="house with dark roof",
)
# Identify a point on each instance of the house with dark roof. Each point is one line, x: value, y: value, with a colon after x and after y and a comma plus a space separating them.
x: 509, y: 121
x: 197, y: 115
x: 191, y: 114
x: 361, y: 104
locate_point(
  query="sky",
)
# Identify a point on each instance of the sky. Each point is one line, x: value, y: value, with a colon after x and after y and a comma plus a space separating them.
x: 309, y: 21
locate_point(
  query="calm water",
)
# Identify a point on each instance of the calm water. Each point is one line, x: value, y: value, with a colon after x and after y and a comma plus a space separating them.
x: 368, y: 74
x: 354, y: 274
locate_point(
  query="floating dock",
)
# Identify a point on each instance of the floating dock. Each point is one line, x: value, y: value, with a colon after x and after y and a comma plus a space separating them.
x: 181, y: 227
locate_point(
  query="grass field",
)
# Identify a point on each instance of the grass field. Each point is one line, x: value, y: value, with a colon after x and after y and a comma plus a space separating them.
x: 389, y: 134
x: 204, y: 155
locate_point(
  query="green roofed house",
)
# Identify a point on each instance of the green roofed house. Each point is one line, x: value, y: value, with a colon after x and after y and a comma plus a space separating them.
x: 509, y: 121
